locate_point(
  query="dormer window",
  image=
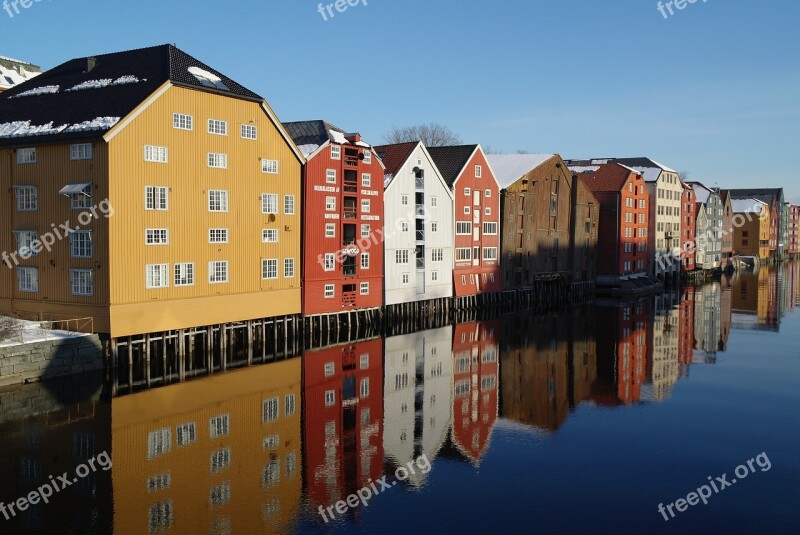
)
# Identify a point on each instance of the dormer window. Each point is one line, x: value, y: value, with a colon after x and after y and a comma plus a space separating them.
x: 208, y: 79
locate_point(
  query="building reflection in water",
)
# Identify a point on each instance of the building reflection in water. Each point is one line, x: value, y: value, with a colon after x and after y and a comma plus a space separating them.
x: 220, y: 455
x: 418, y: 397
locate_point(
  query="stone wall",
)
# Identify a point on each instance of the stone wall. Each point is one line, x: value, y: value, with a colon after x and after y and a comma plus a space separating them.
x: 53, y: 358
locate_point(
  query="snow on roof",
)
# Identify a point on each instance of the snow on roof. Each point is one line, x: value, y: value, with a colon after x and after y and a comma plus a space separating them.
x: 308, y: 149
x: 338, y: 137
x: 701, y: 192
x: 508, y: 168
x: 207, y: 78
x: 15, y: 60
x: 744, y: 206
x: 24, y: 128
x: 43, y: 90
x: 631, y: 169
x: 578, y: 169
x: 9, y: 77
x: 387, y: 179
x: 650, y: 174
x: 664, y: 167
x: 99, y: 84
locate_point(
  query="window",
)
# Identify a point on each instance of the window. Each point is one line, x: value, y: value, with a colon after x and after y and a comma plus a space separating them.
x: 330, y: 176
x: 364, y: 288
x: 463, y: 253
x: 269, y: 166
x: 218, y: 271
x: 330, y: 291
x: 156, y: 236
x: 160, y: 516
x: 80, y: 244
x: 153, y: 153
x: 80, y: 151
x: 467, y: 210
x: 159, y: 482
x: 363, y: 363
x: 490, y: 253
x: 488, y: 193
x: 270, y: 410
x: 269, y: 268
x: 157, y: 276
x: 434, y: 276
x: 217, y: 235
x: 365, y: 231
x: 186, y: 433
x: 289, y: 405
x: 26, y: 155
x: 434, y: 226
x: 249, y: 131
x: 463, y: 227
x: 217, y: 200
x: 217, y: 160
x: 401, y: 257
x: 467, y: 192
x: 288, y: 268
x: 488, y: 210
x: 184, y: 274
x: 490, y: 228
x: 404, y: 226
x: 365, y: 206
x: 219, y: 426
x: 182, y: 121
x: 437, y: 255
x: 336, y: 152
x: 219, y: 496
x: 25, y: 239
x: 269, y: 235
x: 159, y: 442
x: 272, y: 442
x: 366, y: 180
x: 330, y: 204
x: 156, y: 198
x: 405, y: 278
x: 404, y: 200
x: 364, y: 388
x: 28, y: 279
x: 27, y: 198
x: 330, y: 230
x: 288, y: 204
x: 367, y: 156
x: 330, y: 398
x: 220, y: 460
x: 217, y: 127
x: 478, y: 171
x: 81, y: 200
x: 330, y: 261
x: 269, y: 203
x: 272, y: 473
x: 434, y: 201
x: 364, y: 260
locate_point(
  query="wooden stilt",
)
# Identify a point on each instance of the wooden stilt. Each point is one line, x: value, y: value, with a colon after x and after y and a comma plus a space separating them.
x: 249, y: 343
x: 181, y: 355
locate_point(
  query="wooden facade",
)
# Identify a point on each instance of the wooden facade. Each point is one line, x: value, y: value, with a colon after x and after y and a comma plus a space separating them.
x: 688, y: 229
x: 584, y: 232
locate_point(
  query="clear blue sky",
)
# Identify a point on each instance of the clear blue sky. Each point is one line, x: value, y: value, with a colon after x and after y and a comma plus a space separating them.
x: 713, y: 90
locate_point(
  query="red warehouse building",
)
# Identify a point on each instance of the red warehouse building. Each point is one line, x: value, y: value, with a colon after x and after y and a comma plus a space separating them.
x: 477, y: 212
x: 624, y: 217
x: 343, y: 421
x: 794, y: 230
x: 688, y: 229
x: 342, y: 220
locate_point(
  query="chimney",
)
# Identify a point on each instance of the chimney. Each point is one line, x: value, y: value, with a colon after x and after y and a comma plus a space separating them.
x: 353, y: 138
x: 91, y: 63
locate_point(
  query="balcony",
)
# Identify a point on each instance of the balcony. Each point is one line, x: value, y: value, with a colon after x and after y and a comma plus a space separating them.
x: 350, y: 182
x: 420, y: 210
x: 420, y: 230
x: 351, y: 157
x: 350, y: 210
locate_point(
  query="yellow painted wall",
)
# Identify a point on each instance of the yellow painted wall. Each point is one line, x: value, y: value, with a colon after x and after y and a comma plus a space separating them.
x: 253, y: 507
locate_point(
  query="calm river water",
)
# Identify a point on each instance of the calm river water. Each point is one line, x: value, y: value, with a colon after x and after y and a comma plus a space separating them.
x: 579, y: 422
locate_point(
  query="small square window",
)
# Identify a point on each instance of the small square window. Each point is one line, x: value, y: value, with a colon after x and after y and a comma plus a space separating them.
x: 330, y: 291
x: 364, y: 288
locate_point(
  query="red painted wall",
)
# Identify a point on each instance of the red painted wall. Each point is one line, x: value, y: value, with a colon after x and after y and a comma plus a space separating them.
x: 688, y: 230
x: 468, y: 278
x: 315, y: 244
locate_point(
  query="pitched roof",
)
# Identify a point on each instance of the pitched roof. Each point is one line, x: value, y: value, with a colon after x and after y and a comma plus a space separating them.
x: 310, y: 135
x: 644, y: 163
x: 394, y: 156
x: 508, y: 168
x: 451, y: 160
x: 608, y: 177
x: 86, y: 97
x: 767, y: 195
x: 744, y: 206
x: 701, y: 192
x: 14, y: 72
x: 649, y: 169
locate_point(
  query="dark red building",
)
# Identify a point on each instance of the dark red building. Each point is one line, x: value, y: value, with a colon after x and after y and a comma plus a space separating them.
x: 342, y: 220
x: 688, y: 229
x: 477, y: 214
x: 686, y: 327
x: 343, y: 423
x: 794, y: 230
x: 624, y: 216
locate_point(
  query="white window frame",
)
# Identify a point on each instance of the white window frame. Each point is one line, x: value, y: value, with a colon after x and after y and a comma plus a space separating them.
x: 366, y: 206
x: 82, y: 200
x: 27, y: 198
x: 156, y: 236
x: 330, y: 203
x: 156, y: 273
x: 464, y: 225
x: 248, y: 131
x: 79, y: 286
x: 330, y: 398
x: 288, y: 204
x: 329, y: 292
x: 222, y: 200
x: 26, y: 156
x: 269, y: 268
x: 366, y: 180
x: 367, y: 156
x: 437, y: 255
x: 217, y: 160
x: 25, y: 239
x: 156, y: 198
x: 183, y: 274
x: 336, y: 152
x: 364, y: 261
x: 330, y: 230
x: 289, y: 271
x: 478, y: 171
x: 182, y: 121
x: 269, y: 203
x: 77, y: 244
x: 366, y: 230
x: 156, y: 154
x: 218, y: 127
x: 401, y: 257
x: 490, y: 253
x: 28, y: 279
x: 218, y: 235
x: 80, y: 151
x: 330, y: 176
x: 270, y: 167
x: 330, y: 262
x: 364, y: 288
x: 213, y: 272
x: 269, y: 235
x: 490, y: 228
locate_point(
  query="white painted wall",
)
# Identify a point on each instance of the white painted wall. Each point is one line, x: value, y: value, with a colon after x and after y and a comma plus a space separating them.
x: 396, y: 238
x: 665, y: 217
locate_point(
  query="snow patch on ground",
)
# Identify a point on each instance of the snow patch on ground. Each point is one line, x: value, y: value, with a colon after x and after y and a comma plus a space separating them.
x: 32, y: 331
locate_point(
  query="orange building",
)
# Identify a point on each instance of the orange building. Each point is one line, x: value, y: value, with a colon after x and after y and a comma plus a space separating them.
x: 221, y: 455
x: 622, y: 353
